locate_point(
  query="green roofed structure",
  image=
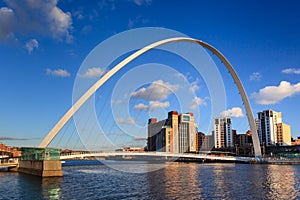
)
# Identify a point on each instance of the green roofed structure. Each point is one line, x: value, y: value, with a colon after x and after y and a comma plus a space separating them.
x: 44, y: 162
x: 29, y: 153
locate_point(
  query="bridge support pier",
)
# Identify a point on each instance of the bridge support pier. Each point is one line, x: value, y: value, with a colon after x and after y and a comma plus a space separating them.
x: 43, y: 168
x: 44, y: 162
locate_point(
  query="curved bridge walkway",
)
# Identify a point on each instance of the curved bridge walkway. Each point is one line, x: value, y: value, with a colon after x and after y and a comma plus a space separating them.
x: 158, y: 154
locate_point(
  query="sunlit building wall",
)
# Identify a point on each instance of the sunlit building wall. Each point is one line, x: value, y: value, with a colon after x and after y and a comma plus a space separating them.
x: 267, y: 126
x: 173, y: 122
x: 175, y: 134
x: 187, y: 133
x: 283, y: 134
x: 223, y: 133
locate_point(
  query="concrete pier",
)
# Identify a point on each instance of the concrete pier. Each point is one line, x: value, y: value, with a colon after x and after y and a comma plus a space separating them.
x: 44, y: 162
x: 43, y: 168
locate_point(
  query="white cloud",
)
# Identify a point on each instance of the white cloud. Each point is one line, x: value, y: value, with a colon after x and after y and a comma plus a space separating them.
x: 38, y: 16
x: 194, y: 86
x: 197, y: 101
x: 291, y: 71
x: 158, y: 90
x: 128, y: 121
x: 180, y: 75
x: 274, y: 94
x: 233, y: 112
x: 57, y: 72
x: 255, y: 76
x: 142, y: 2
x: 152, y: 105
x: 141, y: 106
x: 31, y: 45
x: 92, y: 73
x: 156, y: 104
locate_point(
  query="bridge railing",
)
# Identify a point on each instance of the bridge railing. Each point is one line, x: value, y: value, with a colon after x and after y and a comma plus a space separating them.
x: 155, y: 154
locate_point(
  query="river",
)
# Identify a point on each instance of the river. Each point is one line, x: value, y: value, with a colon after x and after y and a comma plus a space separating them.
x: 171, y: 181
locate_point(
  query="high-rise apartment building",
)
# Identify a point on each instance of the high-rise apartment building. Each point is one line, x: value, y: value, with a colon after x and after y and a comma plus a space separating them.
x: 223, y: 133
x: 175, y: 134
x: 284, y: 134
x: 267, y: 127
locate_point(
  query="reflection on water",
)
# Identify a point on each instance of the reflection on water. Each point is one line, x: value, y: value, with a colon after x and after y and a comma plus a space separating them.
x: 281, y: 181
x: 51, y: 188
x: 179, y: 176
x: 172, y: 181
x: 22, y: 186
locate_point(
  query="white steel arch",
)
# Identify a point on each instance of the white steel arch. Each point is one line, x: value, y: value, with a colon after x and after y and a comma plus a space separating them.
x: 60, y: 124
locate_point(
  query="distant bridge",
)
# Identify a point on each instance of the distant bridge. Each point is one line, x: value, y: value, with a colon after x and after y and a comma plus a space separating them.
x: 157, y: 154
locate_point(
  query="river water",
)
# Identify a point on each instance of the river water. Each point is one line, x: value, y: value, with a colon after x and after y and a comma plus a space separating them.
x: 172, y: 181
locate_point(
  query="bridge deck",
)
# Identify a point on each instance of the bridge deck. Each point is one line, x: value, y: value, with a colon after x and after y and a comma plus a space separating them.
x: 158, y: 154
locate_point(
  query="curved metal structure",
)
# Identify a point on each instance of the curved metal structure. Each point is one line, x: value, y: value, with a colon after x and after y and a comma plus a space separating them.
x: 114, y: 70
x: 158, y: 154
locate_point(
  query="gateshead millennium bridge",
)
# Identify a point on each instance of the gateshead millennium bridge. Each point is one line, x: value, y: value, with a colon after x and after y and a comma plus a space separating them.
x: 77, y: 105
x: 114, y: 70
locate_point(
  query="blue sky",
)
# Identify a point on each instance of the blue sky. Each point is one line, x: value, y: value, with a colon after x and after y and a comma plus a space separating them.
x: 43, y: 44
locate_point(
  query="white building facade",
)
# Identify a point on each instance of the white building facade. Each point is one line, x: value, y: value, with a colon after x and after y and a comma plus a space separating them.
x: 223, y: 133
x: 267, y: 127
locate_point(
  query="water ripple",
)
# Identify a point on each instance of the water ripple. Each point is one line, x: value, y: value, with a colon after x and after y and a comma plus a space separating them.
x: 173, y: 181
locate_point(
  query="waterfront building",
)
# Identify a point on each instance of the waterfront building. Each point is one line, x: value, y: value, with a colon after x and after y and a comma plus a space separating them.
x: 223, y: 133
x: 155, y: 130
x: 283, y: 134
x: 187, y: 133
x: 271, y: 130
x: 296, y: 141
x: 208, y: 143
x: 267, y: 128
x: 244, y: 140
x: 199, y: 140
x: 234, y: 136
x: 175, y: 134
x: 9, y: 151
x: 243, y: 144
